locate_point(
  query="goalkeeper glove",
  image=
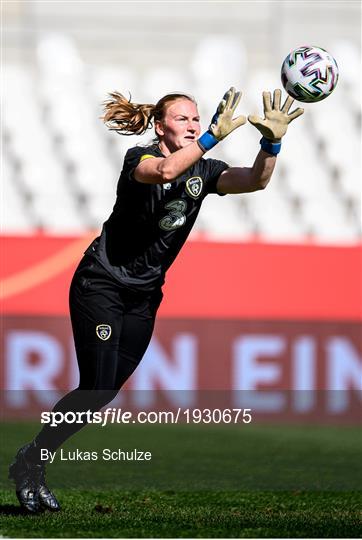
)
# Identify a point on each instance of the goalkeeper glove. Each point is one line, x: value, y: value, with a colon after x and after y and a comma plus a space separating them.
x: 222, y: 123
x: 275, y: 124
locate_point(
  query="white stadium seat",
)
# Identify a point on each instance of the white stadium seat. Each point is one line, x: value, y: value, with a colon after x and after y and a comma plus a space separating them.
x: 15, y: 216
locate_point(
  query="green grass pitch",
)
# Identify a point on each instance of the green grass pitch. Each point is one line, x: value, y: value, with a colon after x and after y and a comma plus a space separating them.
x: 203, y: 481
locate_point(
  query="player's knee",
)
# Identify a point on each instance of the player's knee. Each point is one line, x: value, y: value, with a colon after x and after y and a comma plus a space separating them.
x: 107, y: 373
x: 102, y: 397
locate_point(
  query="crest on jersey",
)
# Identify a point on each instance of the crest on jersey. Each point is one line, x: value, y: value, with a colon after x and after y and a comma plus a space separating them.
x: 194, y: 187
x: 104, y: 331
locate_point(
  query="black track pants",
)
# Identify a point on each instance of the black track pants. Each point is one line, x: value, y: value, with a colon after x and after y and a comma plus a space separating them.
x: 112, y: 329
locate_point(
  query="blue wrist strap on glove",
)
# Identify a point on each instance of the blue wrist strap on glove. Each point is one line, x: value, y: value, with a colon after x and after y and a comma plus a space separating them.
x: 270, y: 147
x: 207, y: 141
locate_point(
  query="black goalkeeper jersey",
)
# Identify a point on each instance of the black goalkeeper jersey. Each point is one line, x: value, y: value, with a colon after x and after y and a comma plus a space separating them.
x: 150, y: 222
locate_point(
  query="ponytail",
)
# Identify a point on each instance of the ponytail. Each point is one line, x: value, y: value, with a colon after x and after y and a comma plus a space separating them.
x: 127, y: 118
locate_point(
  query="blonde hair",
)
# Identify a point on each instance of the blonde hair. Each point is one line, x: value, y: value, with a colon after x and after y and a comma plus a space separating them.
x: 128, y: 118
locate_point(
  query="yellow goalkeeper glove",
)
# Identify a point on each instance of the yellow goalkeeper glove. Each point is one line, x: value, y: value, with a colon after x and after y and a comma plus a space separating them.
x: 222, y: 123
x: 275, y: 124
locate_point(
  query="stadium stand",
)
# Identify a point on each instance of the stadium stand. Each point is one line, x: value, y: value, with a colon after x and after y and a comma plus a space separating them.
x: 55, y: 148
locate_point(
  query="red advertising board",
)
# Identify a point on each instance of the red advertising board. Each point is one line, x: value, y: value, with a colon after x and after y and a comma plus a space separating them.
x: 269, y: 319
x: 208, y: 279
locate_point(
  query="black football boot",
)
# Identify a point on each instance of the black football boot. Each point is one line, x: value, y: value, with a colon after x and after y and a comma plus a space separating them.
x: 29, y: 477
x: 47, y: 498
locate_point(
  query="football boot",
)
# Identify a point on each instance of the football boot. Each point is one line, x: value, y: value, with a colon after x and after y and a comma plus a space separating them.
x: 29, y: 477
x: 47, y: 498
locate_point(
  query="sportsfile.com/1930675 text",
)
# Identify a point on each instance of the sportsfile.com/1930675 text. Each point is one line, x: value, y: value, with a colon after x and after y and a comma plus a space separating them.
x: 120, y: 416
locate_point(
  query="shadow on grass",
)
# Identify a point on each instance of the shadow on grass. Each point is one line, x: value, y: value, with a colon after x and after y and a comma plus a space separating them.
x: 12, y: 510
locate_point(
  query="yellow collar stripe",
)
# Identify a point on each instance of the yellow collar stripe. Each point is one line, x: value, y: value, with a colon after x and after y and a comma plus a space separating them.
x: 146, y: 156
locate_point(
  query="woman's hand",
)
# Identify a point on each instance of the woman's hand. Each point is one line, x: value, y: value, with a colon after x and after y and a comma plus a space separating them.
x: 222, y: 123
x: 276, y: 121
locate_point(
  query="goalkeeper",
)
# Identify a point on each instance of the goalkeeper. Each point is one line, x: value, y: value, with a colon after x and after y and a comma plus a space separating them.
x: 116, y: 289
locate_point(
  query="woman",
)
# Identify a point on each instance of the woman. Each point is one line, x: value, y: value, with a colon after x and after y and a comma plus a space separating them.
x: 116, y: 289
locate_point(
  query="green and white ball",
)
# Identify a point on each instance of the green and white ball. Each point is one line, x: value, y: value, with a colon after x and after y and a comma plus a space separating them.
x: 309, y: 74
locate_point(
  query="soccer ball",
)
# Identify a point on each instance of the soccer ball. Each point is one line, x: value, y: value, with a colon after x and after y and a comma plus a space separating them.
x: 309, y: 74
